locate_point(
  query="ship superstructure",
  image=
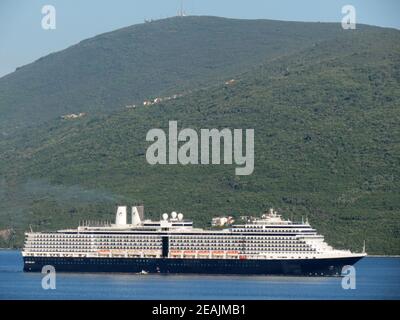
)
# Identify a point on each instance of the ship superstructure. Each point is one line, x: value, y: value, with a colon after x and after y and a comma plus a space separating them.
x: 265, y: 245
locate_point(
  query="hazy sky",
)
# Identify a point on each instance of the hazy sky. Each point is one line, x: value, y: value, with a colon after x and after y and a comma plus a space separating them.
x: 22, y: 39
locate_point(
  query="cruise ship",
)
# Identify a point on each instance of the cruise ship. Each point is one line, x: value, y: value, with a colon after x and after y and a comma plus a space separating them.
x: 265, y: 245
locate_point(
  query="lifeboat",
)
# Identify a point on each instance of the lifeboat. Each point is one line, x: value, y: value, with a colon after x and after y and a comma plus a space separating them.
x: 104, y: 252
x: 133, y: 251
x: 151, y: 252
x: 189, y: 252
x: 203, y: 252
x: 218, y: 253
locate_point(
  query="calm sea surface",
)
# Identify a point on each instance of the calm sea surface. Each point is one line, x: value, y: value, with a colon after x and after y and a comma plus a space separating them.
x: 376, y: 278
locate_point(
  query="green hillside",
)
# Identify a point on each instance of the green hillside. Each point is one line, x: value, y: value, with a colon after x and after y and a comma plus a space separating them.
x: 126, y: 66
x: 327, y: 135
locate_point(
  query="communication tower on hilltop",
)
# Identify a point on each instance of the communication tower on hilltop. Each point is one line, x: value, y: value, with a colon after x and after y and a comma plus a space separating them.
x: 181, y: 11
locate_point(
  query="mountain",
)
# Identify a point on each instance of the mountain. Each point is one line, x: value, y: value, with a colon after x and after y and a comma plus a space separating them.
x: 126, y: 66
x: 325, y: 116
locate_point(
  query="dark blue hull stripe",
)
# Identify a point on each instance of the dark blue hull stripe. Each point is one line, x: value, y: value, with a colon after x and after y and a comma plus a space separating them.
x: 308, y: 267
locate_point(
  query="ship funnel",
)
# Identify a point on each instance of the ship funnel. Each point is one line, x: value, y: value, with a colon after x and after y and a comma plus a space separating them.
x: 120, y: 218
x: 136, y: 216
x: 141, y: 211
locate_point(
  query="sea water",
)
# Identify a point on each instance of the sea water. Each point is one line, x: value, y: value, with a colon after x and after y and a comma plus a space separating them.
x: 376, y: 278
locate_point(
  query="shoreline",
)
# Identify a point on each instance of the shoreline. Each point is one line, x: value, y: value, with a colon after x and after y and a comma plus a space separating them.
x: 383, y: 256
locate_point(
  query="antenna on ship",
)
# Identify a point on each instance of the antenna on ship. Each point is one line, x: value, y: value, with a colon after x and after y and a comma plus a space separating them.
x: 363, y: 250
x: 181, y: 12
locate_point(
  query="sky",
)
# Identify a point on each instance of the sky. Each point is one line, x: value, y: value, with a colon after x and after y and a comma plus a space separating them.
x: 23, y: 40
